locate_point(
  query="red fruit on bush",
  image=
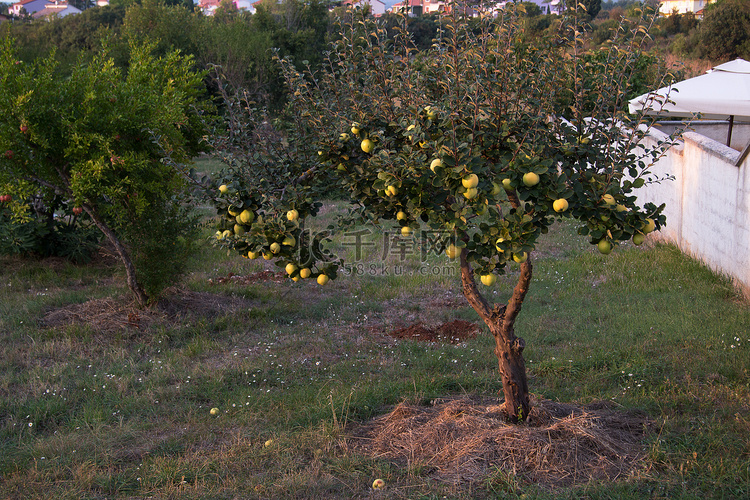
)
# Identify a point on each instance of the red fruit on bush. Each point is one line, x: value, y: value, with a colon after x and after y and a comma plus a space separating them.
x: 77, y: 210
x: 24, y: 129
x: 9, y: 154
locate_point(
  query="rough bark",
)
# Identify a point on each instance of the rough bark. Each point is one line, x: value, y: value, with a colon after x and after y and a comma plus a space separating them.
x: 122, y: 252
x: 508, y: 348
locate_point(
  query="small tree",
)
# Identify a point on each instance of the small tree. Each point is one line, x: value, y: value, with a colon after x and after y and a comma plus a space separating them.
x: 486, y: 137
x: 96, y: 138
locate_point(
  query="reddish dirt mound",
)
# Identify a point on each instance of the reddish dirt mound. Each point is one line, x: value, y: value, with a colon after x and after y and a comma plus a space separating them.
x: 453, y: 332
x: 464, y: 441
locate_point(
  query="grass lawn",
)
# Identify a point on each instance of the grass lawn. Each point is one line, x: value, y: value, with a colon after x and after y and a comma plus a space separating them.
x: 101, y: 400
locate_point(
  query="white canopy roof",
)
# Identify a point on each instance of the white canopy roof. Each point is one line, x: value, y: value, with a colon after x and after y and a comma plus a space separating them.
x: 722, y: 92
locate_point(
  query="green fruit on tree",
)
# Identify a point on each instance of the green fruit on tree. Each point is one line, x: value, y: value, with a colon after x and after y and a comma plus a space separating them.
x: 344, y: 136
x: 292, y: 215
x: 560, y: 205
x: 638, y: 238
x: 246, y: 216
x: 275, y: 247
x: 437, y: 162
x: 520, y: 257
x: 648, y: 226
x: 226, y: 234
x: 495, y: 189
x: 322, y: 279
x: 452, y: 251
x: 470, y: 181
x: 471, y: 193
x: 367, y: 146
x: 223, y: 189
x: 267, y: 256
x: 506, y: 185
x: 608, y: 199
x: 355, y: 128
x: 604, y: 246
x: 253, y: 255
x: 530, y: 179
x: 239, y: 230
x: 406, y: 231
x: 488, y: 279
x: 621, y: 208
x: 401, y: 215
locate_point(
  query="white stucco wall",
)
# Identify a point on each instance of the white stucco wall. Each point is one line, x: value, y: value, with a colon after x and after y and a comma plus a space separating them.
x: 707, y: 204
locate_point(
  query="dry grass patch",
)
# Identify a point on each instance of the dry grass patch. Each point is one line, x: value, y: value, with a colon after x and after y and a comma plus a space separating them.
x: 463, y: 441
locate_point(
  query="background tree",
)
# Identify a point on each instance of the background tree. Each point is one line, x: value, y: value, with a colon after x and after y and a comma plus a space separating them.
x: 97, y: 140
x: 483, y: 139
x: 724, y: 32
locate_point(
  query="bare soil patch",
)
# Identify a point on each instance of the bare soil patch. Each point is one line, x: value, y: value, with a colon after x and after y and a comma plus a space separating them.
x: 115, y: 314
x: 453, y: 332
x: 464, y: 441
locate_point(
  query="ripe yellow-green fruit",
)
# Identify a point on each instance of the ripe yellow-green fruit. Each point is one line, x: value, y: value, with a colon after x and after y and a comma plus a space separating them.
x: 649, y: 226
x: 290, y: 268
x: 488, y: 279
x: 452, y: 251
x: 560, y: 205
x: 604, y: 246
x: 295, y: 278
x: 495, y: 189
x: 292, y: 215
x: 406, y: 231
x: 239, y: 230
x: 267, y: 256
x: 608, y: 199
x: 275, y: 247
x: 253, y: 255
x: 304, y: 273
x: 367, y: 146
x: 530, y: 179
x: 289, y: 241
x: 218, y: 235
x: 520, y: 258
x: 378, y: 484
x: 226, y: 234
x: 621, y: 208
x: 437, y: 162
x: 223, y: 189
x: 638, y: 238
x: 246, y: 216
x: 497, y: 244
x: 391, y: 190
x: 268, y: 443
x: 214, y: 411
x: 471, y: 193
x: 401, y: 215
x: 344, y: 136
x: 322, y: 279
x: 355, y: 128
x: 506, y: 185
x: 470, y: 181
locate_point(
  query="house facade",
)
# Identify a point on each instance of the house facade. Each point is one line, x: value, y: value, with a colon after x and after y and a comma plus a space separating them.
x: 377, y: 7
x: 56, y: 9
x: 28, y: 7
x: 683, y: 6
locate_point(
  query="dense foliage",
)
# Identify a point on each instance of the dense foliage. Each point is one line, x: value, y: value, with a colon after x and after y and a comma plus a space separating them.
x: 97, y: 143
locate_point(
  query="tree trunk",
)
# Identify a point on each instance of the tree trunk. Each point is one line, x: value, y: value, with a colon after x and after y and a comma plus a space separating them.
x: 508, y: 348
x: 135, y: 287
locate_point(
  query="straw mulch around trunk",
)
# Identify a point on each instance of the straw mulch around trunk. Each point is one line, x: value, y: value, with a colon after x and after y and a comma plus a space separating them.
x: 462, y: 441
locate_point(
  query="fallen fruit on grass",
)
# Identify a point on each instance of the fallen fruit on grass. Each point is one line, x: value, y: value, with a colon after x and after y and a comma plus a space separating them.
x: 268, y: 443
x: 214, y: 411
x: 378, y: 484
